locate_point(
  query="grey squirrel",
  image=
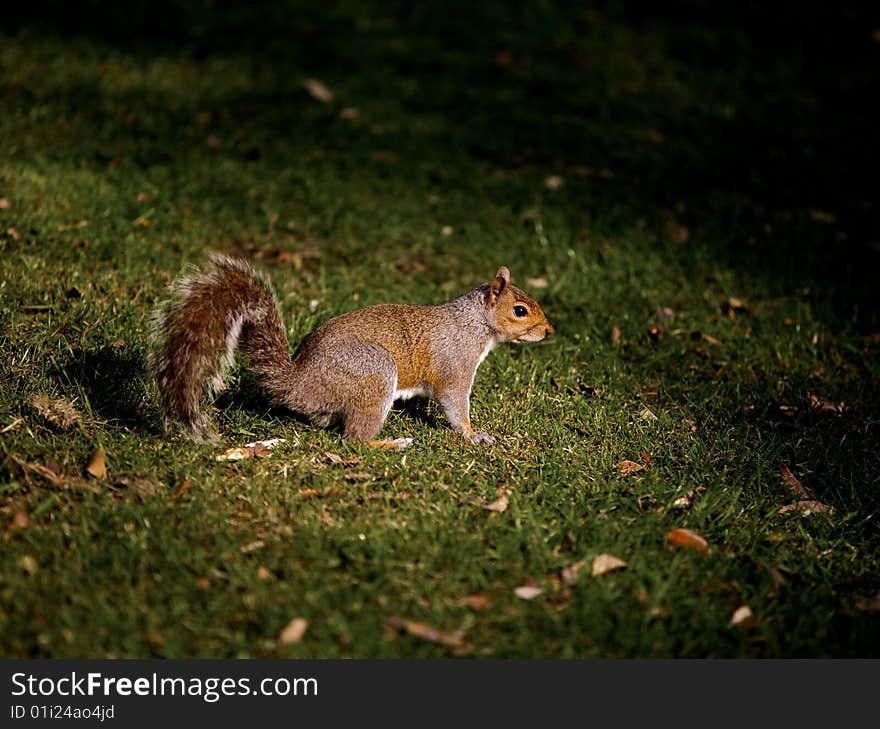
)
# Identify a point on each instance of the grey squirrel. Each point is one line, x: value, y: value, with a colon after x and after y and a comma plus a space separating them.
x: 350, y: 369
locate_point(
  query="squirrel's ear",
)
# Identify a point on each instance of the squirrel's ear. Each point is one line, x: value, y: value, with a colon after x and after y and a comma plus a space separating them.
x: 502, y: 278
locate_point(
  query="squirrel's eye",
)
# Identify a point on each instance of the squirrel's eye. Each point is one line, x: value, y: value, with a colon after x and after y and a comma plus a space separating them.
x: 520, y: 311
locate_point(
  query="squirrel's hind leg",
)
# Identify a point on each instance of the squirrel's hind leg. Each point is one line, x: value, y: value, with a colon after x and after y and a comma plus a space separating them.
x: 367, y: 377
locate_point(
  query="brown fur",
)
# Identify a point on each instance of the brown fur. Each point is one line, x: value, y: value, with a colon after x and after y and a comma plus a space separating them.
x: 350, y: 368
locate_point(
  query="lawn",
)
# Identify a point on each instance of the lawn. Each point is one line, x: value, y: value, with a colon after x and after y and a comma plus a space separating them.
x: 681, y: 190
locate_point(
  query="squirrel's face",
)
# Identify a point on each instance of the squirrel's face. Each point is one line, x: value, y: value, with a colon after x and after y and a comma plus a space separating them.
x: 516, y: 316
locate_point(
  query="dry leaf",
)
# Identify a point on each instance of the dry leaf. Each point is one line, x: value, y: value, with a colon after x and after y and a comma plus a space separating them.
x: 616, y: 334
x: 554, y: 182
x: 427, y: 632
x: 647, y: 415
x: 689, y: 540
x: 627, y: 467
x: 58, y: 413
x: 684, y: 502
x: 791, y: 482
x: 527, y: 592
x: 499, y: 505
x: 821, y: 216
x: 826, y: 406
x: 742, y: 616
x: 293, y: 632
x: 868, y: 604
x: 806, y: 508
x: 29, y: 564
x: 252, y: 546
x: 4, y: 204
x: 570, y: 574
x: 180, y: 490
x: 353, y: 476
x: 257, y: 449
x: 478, y: 601
x: 606, y: 563
x: 98, y: 464
x: 318, y: 90
x: 537, y: 283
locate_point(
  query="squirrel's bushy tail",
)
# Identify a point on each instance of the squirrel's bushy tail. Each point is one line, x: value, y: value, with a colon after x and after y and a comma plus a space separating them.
x: 196, y: 332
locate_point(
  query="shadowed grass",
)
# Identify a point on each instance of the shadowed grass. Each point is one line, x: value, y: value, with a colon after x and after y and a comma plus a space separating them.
x: 685, y: 188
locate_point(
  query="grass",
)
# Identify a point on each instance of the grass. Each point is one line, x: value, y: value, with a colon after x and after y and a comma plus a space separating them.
x: 703, y: 157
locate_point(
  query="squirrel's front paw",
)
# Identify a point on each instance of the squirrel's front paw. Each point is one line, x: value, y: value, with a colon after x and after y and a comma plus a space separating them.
x: 480, y: 437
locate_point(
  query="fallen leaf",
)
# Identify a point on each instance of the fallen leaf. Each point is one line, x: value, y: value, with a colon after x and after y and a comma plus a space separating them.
x: 687, y: 539
x: 554, y: 182
x: 308, y: 493
x: 791, y: 482
x: 252, y: 546
x: 570, y: 574
x: 537, y: 283
x: 4, y: 204
x: 627, y: 467
x: 868, y: 604
x: 318, y: 91
x: 353, y: 476
x: 606, y: 563
x: 742, y: 616
x: 527, y: 592
x: 426, y: 632
x: 806, y: 508
x: 180, y: 490
x: 257, y: 449
x: 826, y: 406
x: 499, y: 505
x: 98, y: 464
x: 59, y: 413
x: 29, y: 564
x: 684, y: 502
x: 293, y: 632
x: 616, y: 334
x: 263, y: 573
x: 821, y: 216
x: 647, y: 415
x: 13, y: 233
x: 478, y: 601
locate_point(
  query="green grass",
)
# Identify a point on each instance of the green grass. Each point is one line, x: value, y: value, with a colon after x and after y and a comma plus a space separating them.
x: 131, y: 146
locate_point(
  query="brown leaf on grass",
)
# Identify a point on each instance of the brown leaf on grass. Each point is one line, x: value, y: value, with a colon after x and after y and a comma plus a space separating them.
x: 4, y: 203
x: 570, y: 574
x: 318, y: 91
x: 826, y: 406
x: 479, y: 601
x: 821, y: 216
x: 337, y: 459
x: 263, y: 573
x: 685, y: 502
x: 58, y: 413
x: 868, y: 604
x: 293, y: 632
x: 742, y: 617
x: 499, y: 505
x: 257, y: 449
x: 791, y: 482
x: 732, y: 307
x: 807, y: 508
x: 537, y: 283
x: 427, y: 632
x: 354, y: 476
x: 97, y: 466
x: 29, y: 564
x: 13, y: 233
x: 686, y: 539
x: 180, y: 490
x: 26, y: 470
x: 527, y: 592
x: 19, y: 522
x: 627, y: 467
x: 606, y: 563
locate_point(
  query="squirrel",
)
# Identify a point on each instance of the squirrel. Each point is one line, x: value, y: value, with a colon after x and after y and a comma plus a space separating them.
x: 350, y: 369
